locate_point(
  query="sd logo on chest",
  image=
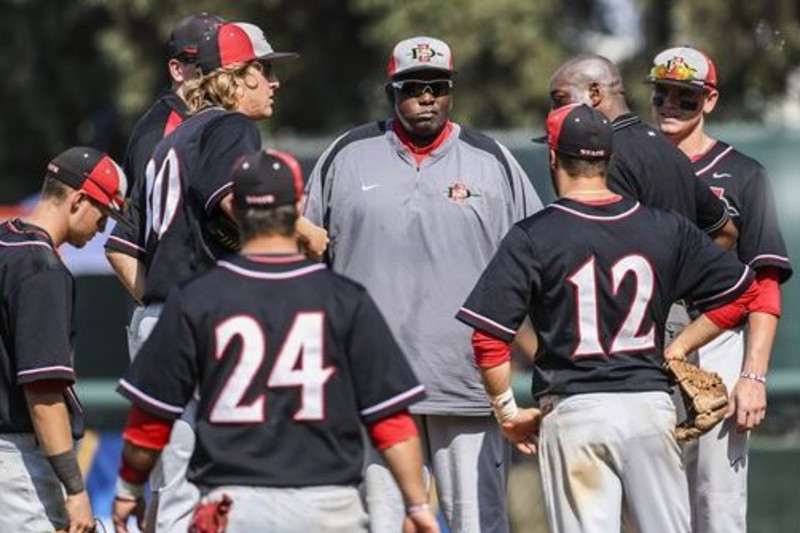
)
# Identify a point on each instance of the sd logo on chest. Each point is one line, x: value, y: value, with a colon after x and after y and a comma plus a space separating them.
x: 459, y: 193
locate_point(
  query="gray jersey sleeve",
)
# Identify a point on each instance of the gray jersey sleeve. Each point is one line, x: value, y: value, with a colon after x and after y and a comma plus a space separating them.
x: 527, y: 202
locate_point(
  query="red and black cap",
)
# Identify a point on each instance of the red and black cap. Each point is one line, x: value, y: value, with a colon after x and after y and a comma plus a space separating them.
x: 579, y: 131
x: 186, y: 36
x: 267, y: 179
x: 236, y: 42
x: 94, y: 173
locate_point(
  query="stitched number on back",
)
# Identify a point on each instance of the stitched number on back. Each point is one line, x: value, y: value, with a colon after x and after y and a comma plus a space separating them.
x: 627, y: 338
x: 228, y: 407
x: 298, y: 364
x: 163, y: 192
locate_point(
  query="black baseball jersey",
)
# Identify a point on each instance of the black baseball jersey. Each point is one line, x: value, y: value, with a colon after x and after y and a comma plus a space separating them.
x: 186, y: 178
x: 167, y: 113
x: 289, y: 358
x: 37, y: 324
x: 742, y: 184
x: 648, y: 167
x: 597, y: 282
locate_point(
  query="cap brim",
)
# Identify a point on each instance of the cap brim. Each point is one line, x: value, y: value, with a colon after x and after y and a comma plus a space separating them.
x: 541, y: 139
x: 449, y: 72
x: 276, y: 56
x: 119, y: 217
x: 697, y: 87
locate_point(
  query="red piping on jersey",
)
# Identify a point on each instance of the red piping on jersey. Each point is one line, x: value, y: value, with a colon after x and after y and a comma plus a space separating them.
x: 173, y: 121
x: 392, y: 430
x: 697, y: 157
x: 714, y: 162
x: 490, y: 351
x: 420, y: 153
x: 604, y: 201
x: 599, y: 218
x: 274, y: 258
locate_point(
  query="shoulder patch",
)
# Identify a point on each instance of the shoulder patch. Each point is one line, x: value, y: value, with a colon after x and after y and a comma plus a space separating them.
x: 485, y: 143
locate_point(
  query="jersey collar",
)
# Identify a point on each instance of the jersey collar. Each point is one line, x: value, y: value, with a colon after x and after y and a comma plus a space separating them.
x: 601, y: 211
x: 625, y: 120
x: 31, y: 231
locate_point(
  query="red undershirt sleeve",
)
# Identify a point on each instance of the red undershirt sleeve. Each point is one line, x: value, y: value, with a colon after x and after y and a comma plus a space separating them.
x: 391, y: 430
x: 490, y: 351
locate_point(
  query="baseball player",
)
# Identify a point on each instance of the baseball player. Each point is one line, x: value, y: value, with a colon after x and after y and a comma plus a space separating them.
x: 645, y: 166
x: 415, y: 206
x: 183, y: 218
x: 684, y: 92
x: 592, y: 272
x: 290, y: 359
x: 40, y: 415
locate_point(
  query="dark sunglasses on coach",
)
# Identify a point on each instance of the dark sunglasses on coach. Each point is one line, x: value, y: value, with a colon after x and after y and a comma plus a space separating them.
x: 416, y: 88
x: 686, y: 105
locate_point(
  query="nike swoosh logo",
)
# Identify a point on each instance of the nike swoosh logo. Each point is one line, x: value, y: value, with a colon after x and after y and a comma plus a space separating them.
x: 718, y: 175
x: 369, y: 187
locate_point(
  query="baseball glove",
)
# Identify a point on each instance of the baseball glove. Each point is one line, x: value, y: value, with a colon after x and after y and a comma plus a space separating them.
x: 704, y: 396
x: 211, y: 517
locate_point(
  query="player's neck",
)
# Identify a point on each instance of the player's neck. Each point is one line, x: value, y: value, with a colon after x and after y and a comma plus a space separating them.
x: 47, y: 217
x: 694, y: 142
x: 585, y: 188
x: 270, y: 244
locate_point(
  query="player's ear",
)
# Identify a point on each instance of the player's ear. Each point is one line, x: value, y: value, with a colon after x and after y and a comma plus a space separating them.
x: 710, y: 102
x: 553, y: 159
x: 175, y: 69
x: 595, y: 91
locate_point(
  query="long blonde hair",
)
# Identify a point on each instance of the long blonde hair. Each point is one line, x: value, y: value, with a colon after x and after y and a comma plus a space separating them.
x: 217, y: 88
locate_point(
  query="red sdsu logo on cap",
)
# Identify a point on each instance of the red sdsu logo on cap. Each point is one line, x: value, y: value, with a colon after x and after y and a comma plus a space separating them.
x: 424, y: 53
x: 459, y: 193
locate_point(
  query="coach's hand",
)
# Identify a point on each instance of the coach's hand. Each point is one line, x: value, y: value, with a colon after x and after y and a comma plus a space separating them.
x: 422, y: 521
x: 748, y: 402
x: 314, y: 238
x: 79, y: 513
x: 124, y: 508
x: 523, y: 430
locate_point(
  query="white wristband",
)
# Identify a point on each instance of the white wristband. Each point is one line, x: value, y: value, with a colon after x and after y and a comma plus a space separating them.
x: 504, y: 406
x: 755, y: 377
x: 128, y: 491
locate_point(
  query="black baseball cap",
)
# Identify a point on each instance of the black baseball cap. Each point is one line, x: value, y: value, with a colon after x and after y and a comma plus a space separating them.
x: 267, y: 179
x: 579, y: 131
x: 236, y: 42
x: 94, y: 173
x: 186, y: 36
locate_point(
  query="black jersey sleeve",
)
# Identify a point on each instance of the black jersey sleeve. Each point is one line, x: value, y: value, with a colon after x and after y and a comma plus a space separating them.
x: 712, y: 214
x: 42, y: 323
x: 163, y: 376
x: 622, y: 179
x: 760, y: 240
x: 499, y: 301
x: 224, y: 141
x: 129, y: 240
x: 706, y: 274
x: 383, y: 379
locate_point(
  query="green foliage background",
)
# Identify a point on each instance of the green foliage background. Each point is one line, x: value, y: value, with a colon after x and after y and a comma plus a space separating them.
x: 82, y: 71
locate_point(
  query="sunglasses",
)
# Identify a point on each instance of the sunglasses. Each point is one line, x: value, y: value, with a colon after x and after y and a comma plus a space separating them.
x: 686, y: 105
x: 416, y: 88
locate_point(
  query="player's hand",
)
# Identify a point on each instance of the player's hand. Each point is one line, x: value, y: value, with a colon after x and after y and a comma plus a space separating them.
x: 124, y: 508
x: 79, y: 513
x: 523, y: 430
x: 314, y: 238
x: 748, y: 402
x: 422, y: 521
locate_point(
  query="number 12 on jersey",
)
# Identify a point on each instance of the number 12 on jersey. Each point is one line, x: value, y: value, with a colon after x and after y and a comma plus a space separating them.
x: 626, y: 338
x: 299, y: 363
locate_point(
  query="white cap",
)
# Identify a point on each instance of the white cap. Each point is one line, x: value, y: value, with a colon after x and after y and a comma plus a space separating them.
x: 420, y: 53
